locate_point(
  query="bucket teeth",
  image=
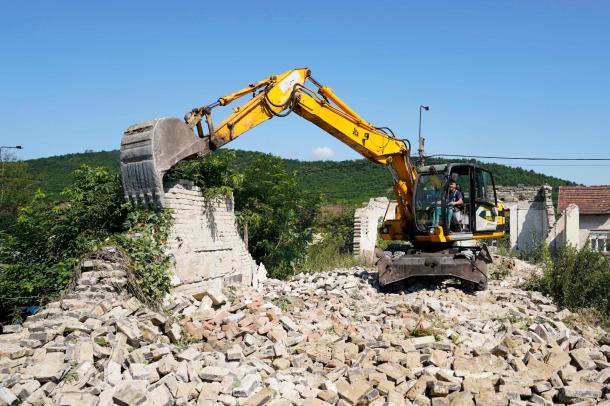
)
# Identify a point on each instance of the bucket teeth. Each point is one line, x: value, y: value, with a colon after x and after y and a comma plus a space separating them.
x: 148, y: 151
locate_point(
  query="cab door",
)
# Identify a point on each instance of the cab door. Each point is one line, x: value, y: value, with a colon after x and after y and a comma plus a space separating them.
x: 485, y: 202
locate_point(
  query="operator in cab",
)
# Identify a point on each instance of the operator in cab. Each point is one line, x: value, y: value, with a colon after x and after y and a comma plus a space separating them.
x: 455, y: 201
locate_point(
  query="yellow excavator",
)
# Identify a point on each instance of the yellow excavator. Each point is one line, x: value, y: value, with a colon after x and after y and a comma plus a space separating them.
x: 441, y: 236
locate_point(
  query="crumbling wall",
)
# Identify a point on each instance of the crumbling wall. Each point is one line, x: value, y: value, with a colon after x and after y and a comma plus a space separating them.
x: 204, y: 240
x: 531, y: 213
x: 566, y: 229
x: 366, y: 220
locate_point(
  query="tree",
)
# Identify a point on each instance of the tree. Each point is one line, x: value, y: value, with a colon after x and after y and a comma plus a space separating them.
x: 279, y: 216
x: 17, y: 187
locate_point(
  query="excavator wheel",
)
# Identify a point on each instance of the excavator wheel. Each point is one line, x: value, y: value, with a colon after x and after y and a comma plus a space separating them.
x: 482, y: 284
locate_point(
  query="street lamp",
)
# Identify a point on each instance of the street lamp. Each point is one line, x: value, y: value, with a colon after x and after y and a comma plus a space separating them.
x: 7, y: 147
x: 2, y: 160
x: 421, y: 140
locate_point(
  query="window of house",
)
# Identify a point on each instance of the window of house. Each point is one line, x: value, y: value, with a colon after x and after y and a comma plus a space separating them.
x: 600, y: 241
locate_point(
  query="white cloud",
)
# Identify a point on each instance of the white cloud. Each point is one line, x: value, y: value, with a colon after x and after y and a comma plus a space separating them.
x: 323, y: 153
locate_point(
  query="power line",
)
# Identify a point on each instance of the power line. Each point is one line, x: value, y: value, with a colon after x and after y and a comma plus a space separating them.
x: 519, y: 158
x: 562, y: 165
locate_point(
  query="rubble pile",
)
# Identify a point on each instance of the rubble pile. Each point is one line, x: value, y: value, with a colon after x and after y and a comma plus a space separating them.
x: 320, y: 339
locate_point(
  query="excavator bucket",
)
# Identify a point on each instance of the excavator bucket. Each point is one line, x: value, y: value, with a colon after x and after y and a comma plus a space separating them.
x: 149, y: 150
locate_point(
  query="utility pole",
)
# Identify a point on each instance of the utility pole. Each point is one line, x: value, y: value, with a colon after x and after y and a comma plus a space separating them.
x: 2, y: 161
x: 420, y: 140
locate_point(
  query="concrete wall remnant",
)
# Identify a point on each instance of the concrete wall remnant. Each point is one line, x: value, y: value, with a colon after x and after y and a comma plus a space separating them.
x: 566, y: 229
x: 531, y: 212
x: 366, y: 221
x: 204, y: 240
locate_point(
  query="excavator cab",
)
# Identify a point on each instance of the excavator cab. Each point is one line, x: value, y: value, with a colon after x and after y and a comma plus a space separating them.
x: 478, y: 215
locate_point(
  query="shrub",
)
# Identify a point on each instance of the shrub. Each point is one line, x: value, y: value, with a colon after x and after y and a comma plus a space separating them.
x: 17, y: 187
x: 39, y: 252
x: 144, y: 242
x: 576, y: 279
x: 334, y: 247
x: 337, y: 223
x: 503, y: 246
x: 215, y: 174
x: 328, y: 254
x: 534, y: 251
x: 278, y: 215
x: 268, y: 201
x: 500, y: 272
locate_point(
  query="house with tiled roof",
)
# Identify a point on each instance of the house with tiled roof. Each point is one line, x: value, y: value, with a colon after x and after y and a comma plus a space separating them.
x: 593, y: 204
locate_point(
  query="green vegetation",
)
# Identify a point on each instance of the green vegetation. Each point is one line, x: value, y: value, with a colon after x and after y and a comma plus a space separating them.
x: 41, y: 248
x: 357, y: 296
x: 58, y: 172
x: 17, y: 187
x: 143, y: 240
x: 576, y: 279
x: 278, y: 215
x: 338, y: 182
x: 282, y: 302
x: 332, y: 248
x: 536, y: 251
x: 501, y: 272
x: 101, y: 341
x: 503, y: 246
x: 71, y: 375
x: 215, y: 175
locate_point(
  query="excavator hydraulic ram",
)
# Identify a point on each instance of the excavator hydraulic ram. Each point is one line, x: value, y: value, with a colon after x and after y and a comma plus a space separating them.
x: 149, y: 150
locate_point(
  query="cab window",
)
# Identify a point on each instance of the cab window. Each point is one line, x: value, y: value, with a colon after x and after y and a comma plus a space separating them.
x: 485, y: 192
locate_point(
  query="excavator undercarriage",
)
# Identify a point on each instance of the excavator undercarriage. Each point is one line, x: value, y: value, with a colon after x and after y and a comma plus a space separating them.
x: 404, y: 263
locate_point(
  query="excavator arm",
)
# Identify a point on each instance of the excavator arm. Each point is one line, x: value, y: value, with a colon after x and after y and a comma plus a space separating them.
x: 169, y: 141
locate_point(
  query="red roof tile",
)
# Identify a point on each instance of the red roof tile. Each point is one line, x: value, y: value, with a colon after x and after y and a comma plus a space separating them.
x: 589, y: 199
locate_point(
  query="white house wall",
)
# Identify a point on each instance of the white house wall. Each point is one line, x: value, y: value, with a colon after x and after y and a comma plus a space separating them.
x: 592, y: 222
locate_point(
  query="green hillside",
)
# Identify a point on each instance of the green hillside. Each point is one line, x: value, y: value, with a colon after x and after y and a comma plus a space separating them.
x: 56, y: 172
x: 339, y: 182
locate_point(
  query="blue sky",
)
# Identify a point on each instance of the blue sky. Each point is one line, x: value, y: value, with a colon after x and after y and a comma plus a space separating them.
x: 501, y: 78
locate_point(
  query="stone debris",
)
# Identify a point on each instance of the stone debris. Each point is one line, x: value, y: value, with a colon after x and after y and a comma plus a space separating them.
x: 319, y: 339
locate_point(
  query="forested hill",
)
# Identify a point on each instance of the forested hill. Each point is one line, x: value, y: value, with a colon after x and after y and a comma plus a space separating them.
x: 56, y: 172
x: 340, y: 182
